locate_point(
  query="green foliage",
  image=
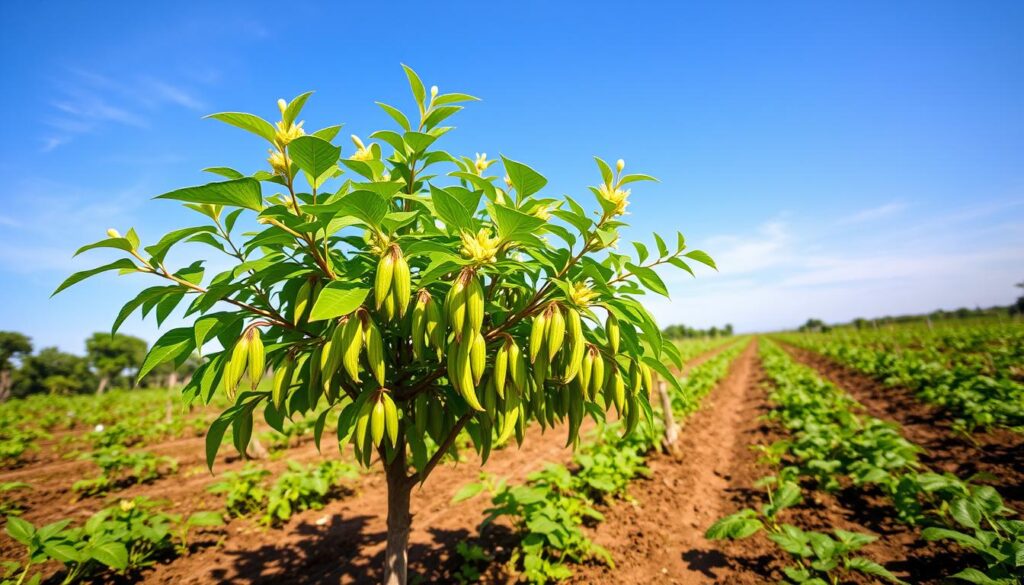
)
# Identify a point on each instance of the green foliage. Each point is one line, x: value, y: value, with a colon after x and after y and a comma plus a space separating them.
x: 122, y: 538
x: 52, y: 371
x: 244, y: 491
x: 304, y: 488
x: 120, y: 467
x: 9, y: 507
x: 972, y: 371
x: 474, y: 558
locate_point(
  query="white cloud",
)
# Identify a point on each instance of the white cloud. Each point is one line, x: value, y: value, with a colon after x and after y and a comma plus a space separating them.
x: 86, y: 101
x: 783, y: 276
x: 875, y: 213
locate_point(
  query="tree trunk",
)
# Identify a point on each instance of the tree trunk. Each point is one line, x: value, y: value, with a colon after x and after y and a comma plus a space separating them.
x: 5, y: 385
x: 104, y: 381
x: 172, y: 380
x: 396, y: 558
x: 671, y: 428
x: 255, y: 449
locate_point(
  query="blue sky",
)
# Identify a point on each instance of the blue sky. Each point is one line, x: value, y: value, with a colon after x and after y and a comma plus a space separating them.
x: 836, y: 161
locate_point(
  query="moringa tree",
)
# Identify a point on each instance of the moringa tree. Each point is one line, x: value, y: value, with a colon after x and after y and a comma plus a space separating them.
x: 409, y: 293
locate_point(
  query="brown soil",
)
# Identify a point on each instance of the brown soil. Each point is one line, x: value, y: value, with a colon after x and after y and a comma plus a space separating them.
x: 999, y: 452
x: 659, y: 535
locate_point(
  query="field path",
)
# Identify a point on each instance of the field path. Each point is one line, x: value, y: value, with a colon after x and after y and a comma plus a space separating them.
x: 659, y: 537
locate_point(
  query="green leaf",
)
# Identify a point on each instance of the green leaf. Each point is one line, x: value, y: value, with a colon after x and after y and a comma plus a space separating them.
x: 627, y: 179
x: 396, y: 115
x: 206, y: 518
x: 291, y: 112
x: 451, y: 211
x: 869, y: 567
x: 239, y: 193
x: 514, y: 224
x: 111, y: 554
x: 313, y: 155
x: 116, y: 243
x: 976, y: 576
x: 337, y: 299
x: 966, y: 512
x: 122, y: 264
x: 367, y: 206
x: 159, y: 250
x: 648, y: 277
x: 327, y: 133
x: 170, y: 347
x: 606, y: 171
x: 249, y: 122
x: 418, y: 141
x: 702, y: 257
x: 215, y: 435
x: 20, y: 530
x: 226, y: 172
x: 415, y: 84
x: 525, y: 180
x: 735, y: 527
x: 467, y: 491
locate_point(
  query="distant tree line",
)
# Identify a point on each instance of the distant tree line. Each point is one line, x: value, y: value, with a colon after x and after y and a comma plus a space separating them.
x: 110, y: 361
x: 684, y: 332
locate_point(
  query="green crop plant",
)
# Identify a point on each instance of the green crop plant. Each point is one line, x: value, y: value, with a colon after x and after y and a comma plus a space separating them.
x: 413, y: 292
x: 120, y: 467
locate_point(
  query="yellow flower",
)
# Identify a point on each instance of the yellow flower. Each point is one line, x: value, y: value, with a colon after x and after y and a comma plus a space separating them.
x: 278, y: 162
x: 127, y: 505
x: 618, y: 198
x: 482, y: 163
x: 481, y: 248
x: 582, y: 295
x: 362, y: 153
x: 288, y: 132
x: 542, y: 212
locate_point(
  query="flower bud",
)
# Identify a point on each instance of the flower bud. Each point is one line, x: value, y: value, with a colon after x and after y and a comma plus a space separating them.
x: 619, y: 165
x: 282, y: 105
x: 433, y: 91
x: 111, y: 232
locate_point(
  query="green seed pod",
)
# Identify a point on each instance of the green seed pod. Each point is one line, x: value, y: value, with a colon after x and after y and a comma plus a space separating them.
x: 586, y: 367
x: 257, y: 357
x: 556, y: 332
x: 611, y: 329
x: 420, y: 413
x: 301, y: 303
x: 313, y: 363
x: 235, y: 368
x: 377, y: 418
x: 375, y: 351
x: 647, y: 377
x: 490, y: 398
x: 455, y: 306
x: 478, y: 357
x: 352, y: 345
x: 418, y: 327
x: 597, y: 376
x: 390, y: 418
x: 540, y: 370
x: 500, y: 369
x: 382, y: 280
x: 635, y: 378
x: 537, y: 333
x: 362, y: 424
x: 282, y: 380
x: 619, y: 389
x: 333, y: 353
x: 436, y: 330
x: 435, y: 420
x: 577, y: 344
x: 474, y: 303
x: 402, y: 286
x: 517, y: 367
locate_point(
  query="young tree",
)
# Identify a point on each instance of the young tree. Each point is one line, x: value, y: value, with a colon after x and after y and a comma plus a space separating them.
x: 13, y: 345
x: 418, y: 297
x: 111, y: 355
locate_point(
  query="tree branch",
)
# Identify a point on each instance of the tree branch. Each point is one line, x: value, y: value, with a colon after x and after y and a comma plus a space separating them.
x: 442, y: 450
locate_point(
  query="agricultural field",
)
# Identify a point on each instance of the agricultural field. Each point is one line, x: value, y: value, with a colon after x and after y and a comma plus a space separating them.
x: 793, y: 462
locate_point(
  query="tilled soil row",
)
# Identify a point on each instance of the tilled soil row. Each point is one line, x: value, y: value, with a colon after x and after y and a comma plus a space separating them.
x: 343, y: 542
x: 999, y: 452
x: 659, y: 535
